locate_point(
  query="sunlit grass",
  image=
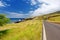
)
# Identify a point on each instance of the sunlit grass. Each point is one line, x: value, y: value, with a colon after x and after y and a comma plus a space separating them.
x: 27, y: 30
x: 55, y: 19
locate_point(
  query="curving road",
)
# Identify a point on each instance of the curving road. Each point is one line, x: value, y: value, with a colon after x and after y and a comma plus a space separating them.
x: 52, y: 31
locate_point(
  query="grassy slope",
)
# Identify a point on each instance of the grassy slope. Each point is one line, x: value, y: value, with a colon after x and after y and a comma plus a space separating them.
x: 27, y: 30
x: 54, y: 18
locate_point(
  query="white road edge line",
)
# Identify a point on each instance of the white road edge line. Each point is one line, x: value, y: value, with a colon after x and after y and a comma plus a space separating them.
x: 44, y: 33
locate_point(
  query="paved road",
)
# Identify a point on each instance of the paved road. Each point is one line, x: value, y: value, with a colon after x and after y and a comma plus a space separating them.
x: 52, y: 31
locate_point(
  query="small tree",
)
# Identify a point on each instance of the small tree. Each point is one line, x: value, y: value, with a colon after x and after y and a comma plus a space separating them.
x: 3, y: 19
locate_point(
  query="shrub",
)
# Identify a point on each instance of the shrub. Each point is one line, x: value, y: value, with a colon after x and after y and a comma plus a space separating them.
x: 3, y: 19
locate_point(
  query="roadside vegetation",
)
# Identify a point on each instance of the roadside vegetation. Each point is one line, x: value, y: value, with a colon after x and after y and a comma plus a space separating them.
x: 3, y: 20
x: 55, y: 18
x: 27, y: 30
x: 52, y: 17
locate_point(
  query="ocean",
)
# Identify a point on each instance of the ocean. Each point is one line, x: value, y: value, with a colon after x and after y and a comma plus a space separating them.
x: 16, y: 19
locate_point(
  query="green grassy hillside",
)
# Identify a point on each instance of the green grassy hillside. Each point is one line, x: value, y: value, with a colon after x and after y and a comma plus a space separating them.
x: 27, y: 30
x: 55, y: 17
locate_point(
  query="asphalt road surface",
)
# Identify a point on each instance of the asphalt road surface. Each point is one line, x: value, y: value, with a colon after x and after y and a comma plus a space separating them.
x: 52, y: 31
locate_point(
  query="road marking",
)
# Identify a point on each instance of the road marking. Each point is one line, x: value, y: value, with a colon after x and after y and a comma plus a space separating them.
x: 44, y: 33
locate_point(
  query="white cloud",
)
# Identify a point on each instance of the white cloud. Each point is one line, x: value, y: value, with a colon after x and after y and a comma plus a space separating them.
x: 3, y: 4
x: 48, y: 6
x: 33, y: 2
x: 30, y: 12
x: 16, y: 15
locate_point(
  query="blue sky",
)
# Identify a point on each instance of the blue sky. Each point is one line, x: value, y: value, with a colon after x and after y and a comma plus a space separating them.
x: 18, y: 5
x: 28, y: 8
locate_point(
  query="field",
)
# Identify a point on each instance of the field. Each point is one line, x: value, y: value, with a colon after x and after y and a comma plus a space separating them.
x: 55, y: 20
x: 55, y: 17
x: 27, y: 30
